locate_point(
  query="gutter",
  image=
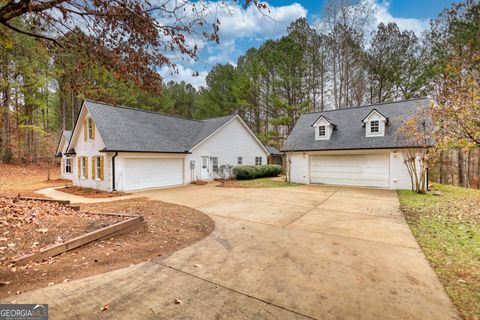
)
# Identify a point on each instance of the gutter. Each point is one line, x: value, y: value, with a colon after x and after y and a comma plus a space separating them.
x: 113, y: 171
x: 140, y: 151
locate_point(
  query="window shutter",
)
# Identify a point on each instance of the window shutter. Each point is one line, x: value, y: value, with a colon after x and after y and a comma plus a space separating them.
x: 93, y: 168
x: 93, y: 129
x: 86, y: 167
x: 85, y: 129
x: 78, y: 167
x: 101, y: 167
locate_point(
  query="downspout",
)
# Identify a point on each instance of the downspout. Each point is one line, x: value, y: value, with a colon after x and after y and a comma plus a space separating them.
x: 113, y: 171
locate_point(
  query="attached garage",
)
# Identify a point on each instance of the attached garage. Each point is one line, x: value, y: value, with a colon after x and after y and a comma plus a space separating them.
x: 369, y: 170
x: 145, y: 173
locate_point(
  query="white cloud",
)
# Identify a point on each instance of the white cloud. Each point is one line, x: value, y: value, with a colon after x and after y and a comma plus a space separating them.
x: 184, y: 74
x: 236, y: 23
x: 382, y: 14
x: 251, y: 22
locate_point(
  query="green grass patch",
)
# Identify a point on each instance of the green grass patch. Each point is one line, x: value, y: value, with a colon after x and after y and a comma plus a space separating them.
x: 264, y: 183
x: 447, y: 227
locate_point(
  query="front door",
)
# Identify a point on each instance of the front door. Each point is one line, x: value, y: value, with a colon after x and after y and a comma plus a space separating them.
x: 205, y: 168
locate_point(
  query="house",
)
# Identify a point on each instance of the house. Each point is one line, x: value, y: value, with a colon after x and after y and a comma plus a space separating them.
x: 275, y: 156
x: 358, y: 146
x: 66, y: 162
x: 120, y: 148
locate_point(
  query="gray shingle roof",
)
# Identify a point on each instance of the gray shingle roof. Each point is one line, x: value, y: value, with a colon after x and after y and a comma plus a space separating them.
x: 272, y: 150
x: 349, y: 132
x: 128, y: 129
x: 67, y: 135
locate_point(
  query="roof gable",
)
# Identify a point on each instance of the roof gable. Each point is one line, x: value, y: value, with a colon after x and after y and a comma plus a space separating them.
x: 373, y: 113
x: 321, y: 119
x: 350, y: 132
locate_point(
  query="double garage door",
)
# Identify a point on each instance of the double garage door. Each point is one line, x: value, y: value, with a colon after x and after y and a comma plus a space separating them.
x: 355, y: 170
x: 151, y: 173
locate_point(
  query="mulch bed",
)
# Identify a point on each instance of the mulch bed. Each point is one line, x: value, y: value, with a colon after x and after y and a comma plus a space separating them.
x: 170, y: 228
x: 92, y: 193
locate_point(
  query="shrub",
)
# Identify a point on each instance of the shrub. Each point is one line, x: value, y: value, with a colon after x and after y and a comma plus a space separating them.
x: 253, y: 172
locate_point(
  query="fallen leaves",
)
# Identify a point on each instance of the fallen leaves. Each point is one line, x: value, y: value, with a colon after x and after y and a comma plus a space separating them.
x: 27, y: 226
x: 105, y: 307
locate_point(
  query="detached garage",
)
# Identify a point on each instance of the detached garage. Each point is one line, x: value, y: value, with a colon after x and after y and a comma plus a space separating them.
x: 359, y: 146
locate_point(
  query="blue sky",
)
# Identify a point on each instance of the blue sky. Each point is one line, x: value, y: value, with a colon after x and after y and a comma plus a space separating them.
x: 243, y: 28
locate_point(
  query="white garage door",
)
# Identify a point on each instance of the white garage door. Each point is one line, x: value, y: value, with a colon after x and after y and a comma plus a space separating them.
x: 354, y: 170
x: 152, y: 173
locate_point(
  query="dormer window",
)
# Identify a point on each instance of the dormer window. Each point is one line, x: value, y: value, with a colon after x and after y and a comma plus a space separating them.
x: 374, y: 124
x: 322, y: 131
x: 323, y: 128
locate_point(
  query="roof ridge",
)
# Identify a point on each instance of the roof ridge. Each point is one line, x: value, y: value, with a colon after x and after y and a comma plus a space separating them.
x: 369, y: 105
x: 143, y: 110
x: 229, y: 115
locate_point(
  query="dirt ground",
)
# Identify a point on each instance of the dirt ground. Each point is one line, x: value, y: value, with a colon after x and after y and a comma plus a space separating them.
x: 28, y: 226
x: 92, y: 193
x: 170, y: 228
x: 24, y: 179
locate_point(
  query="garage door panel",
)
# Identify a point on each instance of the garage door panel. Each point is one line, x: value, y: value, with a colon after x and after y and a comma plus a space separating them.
x: 152, y: 173
x: 355, y: 170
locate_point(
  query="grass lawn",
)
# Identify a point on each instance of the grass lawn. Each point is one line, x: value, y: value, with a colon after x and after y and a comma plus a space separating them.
x: 264, y: 183
x: 447, y: 227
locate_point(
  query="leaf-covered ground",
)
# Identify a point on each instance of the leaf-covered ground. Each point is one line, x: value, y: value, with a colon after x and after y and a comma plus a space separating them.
x: 447, y: 227
x: 28, y: 226
x: 170, y: 228
x: 24, y: 179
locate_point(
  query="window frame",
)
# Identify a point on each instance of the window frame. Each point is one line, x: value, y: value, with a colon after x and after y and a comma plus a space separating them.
x: 324, y: 127
x: 67, y: 164
x: 214, y: 164
x: 239, y: 160
x: 258, y: 161
x: 90, y: 128
x: 83, y: 167
x: 98, y: 168
x: 375, y: 124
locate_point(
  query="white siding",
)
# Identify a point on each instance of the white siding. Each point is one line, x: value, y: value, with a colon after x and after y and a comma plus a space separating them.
x: 297, y: 167
x: 380, y: 119
x: 90, y: 149
x: 399, y: 177
x: 62, y: 147
x: 230, y: 142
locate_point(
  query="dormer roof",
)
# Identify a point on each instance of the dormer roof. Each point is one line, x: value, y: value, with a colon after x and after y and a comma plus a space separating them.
x: 351, y: 131
x: 374, y: 111
x: 322, y: 117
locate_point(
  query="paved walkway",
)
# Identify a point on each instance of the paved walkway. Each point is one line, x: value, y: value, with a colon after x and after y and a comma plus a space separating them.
x: 307, y: 252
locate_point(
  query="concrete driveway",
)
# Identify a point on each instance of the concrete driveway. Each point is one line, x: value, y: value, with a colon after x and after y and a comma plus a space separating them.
x: 307, y: 252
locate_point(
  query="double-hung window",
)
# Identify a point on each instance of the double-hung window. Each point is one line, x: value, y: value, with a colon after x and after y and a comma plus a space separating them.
x: 321, y: 131
x: 239, y: 160
x: 374, y: 126
x: 67, y: 165
x: 90, y: 128
x: 98, y: 168
x: 258, y: 161
x: 83, y: 167
x: 215, y: 164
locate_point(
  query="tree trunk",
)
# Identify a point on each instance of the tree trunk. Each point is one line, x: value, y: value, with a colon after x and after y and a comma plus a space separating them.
x: 461, y: 169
